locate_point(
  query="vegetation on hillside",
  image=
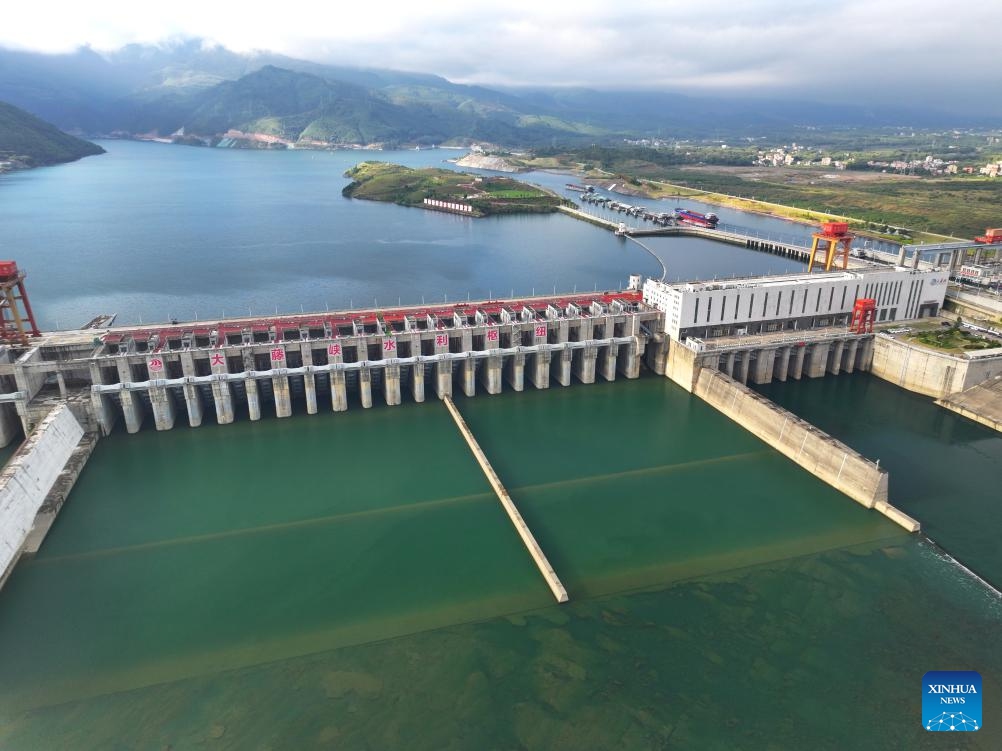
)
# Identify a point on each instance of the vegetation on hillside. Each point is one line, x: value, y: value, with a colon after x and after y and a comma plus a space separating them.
x: 393, y: 183
x: 26, y: 141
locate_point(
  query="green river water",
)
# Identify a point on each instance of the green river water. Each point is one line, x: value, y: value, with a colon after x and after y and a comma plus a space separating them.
x: 349, y: 581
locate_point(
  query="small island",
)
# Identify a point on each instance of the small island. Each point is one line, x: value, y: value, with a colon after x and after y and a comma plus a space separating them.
x: 446, y: 190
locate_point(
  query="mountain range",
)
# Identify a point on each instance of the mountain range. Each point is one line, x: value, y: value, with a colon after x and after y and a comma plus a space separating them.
x: 208, y: 90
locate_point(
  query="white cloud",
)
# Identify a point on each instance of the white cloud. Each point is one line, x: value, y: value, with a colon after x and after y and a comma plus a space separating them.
x: 878, y: 48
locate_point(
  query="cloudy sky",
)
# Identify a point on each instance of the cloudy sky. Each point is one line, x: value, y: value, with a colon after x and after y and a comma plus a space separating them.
x: 898, y: 51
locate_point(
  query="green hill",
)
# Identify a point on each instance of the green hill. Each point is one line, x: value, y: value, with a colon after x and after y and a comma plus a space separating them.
x: 26, y: 141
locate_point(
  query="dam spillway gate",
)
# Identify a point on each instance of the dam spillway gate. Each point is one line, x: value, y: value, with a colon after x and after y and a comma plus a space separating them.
x: 185, y: 373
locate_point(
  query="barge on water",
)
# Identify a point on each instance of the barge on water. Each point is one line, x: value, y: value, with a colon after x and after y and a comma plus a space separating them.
x: 685, y: 216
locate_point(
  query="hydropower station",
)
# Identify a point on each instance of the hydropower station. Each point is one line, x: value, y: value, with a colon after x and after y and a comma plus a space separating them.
x: 66, y: 389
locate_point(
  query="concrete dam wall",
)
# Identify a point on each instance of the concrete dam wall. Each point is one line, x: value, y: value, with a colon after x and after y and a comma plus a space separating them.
x: 928, y: 372
x: 29, y: 476
x: 823, y: 456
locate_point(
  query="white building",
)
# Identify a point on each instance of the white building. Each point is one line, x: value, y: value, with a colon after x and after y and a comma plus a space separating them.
x: 794, y: 301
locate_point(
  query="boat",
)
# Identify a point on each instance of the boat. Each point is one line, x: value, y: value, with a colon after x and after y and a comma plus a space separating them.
x: 685, y: 216
x: 580, y: 188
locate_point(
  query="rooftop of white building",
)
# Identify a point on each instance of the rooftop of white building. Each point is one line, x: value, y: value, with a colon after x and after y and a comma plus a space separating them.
x: 786, y: 280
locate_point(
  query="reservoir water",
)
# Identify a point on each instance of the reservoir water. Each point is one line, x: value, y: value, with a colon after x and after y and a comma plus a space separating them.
x: 350, y: 581
x: 151, y: 232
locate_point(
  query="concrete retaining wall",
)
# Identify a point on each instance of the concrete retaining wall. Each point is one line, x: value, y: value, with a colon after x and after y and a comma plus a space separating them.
x: 826, y: 458
x: 928, y: 372
x: 682, y: 365
x: 28, y: 478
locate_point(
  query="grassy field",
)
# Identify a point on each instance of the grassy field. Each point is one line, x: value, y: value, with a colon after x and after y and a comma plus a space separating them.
x: 902, y: 207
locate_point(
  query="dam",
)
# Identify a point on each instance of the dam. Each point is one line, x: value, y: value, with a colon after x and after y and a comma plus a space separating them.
x: 711, y: 338
x: 179, y: 373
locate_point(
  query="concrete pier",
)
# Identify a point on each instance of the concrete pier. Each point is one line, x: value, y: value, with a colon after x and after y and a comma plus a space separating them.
x: 365, y: 387
x: 391, y: 384
x: 657, y: 354
x: 764, y: 365
x: 339, y: 391
x: 443, y: 368
x: 283, y: 397
x: 132, y: 409
x: 729, y: 360
x: 253, y: 401
x: 552, y: 580
x: 417, y: 382
x: 104, y: 412
x: 564, y: 362
x: 744, y: 365
x: 782, y: 364
x: 628, y: 362
x: 607, y: 359
x: 222, y: 392
x: 540, y: 372
x: 492, y: 374
x: 193, y: 403
x: 469, y: 377
x: 309, y: 379
x: 164, y: 413
x: 798, y: 363
x: 850, y: 357
x: 584, y: 364
x: 817, y: 362
x: 516, y: 371
x: 837, y: 350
